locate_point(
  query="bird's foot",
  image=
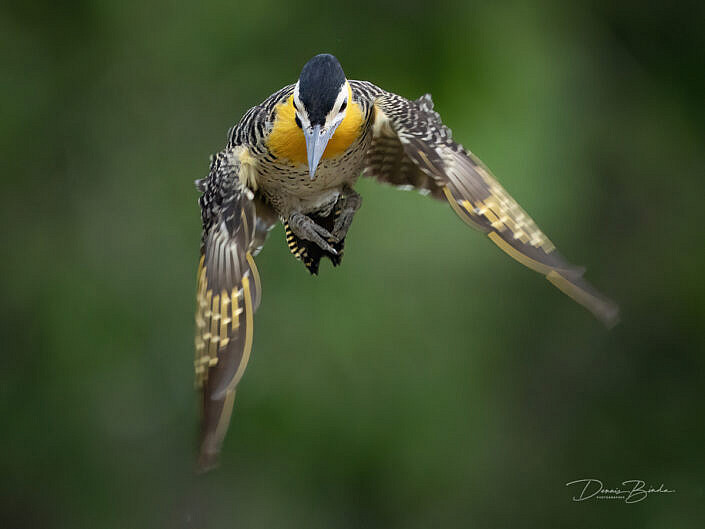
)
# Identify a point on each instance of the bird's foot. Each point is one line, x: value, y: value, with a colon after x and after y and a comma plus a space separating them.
x: 345, y: 210
x: 305, y: 228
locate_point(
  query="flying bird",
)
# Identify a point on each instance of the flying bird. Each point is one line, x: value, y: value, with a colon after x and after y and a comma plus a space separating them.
x: 295, y: 159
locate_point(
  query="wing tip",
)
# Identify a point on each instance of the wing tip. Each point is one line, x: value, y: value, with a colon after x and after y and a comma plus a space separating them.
x: 611, y: 317
x: 216, y: 415
x: 604, y: 309
x: 208, y: 460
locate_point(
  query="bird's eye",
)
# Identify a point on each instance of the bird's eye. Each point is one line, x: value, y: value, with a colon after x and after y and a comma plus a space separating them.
x: 342, y: 107
x: 298, y: 122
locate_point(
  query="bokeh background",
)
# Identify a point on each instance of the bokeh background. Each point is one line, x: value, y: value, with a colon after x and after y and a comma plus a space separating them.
x: 430, y: 381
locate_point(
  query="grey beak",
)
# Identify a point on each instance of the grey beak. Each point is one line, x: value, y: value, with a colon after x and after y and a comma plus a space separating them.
x: 316, y: 142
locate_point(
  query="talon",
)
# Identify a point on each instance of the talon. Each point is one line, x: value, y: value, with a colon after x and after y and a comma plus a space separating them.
x: 348, y: 204
x: 305, y: 228
x: 321, y: 242
x: 323, y: 232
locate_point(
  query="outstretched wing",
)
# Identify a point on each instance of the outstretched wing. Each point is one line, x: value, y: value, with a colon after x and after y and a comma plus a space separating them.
x: 235, y: 224
x: 412, y: 148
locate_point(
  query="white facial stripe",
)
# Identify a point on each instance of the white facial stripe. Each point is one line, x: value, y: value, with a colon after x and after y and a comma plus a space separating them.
x: 335, y: 111
x: 334, y: 117
x: 300, y: 109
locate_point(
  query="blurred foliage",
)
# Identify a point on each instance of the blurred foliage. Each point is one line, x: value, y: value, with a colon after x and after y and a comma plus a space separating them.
x: 430, y: 381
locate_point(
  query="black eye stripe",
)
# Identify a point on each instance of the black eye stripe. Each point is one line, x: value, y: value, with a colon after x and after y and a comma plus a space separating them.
x: 298, y: 122
x: 342, y: 107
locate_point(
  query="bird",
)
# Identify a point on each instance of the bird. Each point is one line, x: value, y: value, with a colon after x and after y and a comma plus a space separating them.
x: 295, y: 159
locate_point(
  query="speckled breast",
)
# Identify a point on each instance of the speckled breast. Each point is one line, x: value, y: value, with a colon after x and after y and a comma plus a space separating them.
x: 289, y: 188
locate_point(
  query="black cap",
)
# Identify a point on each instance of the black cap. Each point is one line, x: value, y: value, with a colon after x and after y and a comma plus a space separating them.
x: 319, y: 85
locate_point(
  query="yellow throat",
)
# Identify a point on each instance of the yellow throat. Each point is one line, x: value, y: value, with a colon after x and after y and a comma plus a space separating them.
x: 287, y: 140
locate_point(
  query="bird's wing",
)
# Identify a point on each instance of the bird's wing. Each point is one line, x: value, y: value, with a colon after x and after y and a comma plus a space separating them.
x: 235, y: 223
x: 411, y: 147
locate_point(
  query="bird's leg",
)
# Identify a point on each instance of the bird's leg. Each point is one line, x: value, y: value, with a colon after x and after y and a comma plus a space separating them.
x: 305, y: 228
x: 348, y: 204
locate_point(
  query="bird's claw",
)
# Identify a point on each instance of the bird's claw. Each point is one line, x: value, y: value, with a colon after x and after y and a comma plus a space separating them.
x: 348, y: 205
x: 305, y: 228
x: 342, y: 224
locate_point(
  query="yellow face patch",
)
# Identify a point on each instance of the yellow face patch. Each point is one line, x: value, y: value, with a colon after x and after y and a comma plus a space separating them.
x: 287, y: 140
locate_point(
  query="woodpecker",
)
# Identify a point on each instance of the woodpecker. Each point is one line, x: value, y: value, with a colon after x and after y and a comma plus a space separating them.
x: 295, y: 159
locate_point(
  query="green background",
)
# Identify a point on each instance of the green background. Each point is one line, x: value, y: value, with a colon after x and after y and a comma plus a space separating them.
x: 430, y: 381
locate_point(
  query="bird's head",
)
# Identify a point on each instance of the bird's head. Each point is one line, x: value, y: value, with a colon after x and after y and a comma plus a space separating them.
x: 320, y: 101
